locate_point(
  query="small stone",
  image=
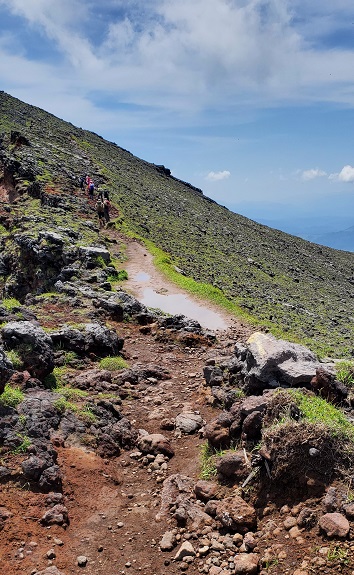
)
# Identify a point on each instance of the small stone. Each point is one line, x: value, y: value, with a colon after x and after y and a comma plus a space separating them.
x: 51, y: 554
x: 82, y: 561
x: 185, y: 550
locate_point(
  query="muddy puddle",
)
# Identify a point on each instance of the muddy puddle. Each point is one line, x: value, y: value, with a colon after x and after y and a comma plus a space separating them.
x: 176, y: 303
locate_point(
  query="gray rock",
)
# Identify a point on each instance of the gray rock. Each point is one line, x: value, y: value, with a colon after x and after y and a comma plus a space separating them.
x: 188, y: 422
x: 92, y: 253
x: 268, y: 362
x: 168, y: 541
x: 33, y: 345
x: 52, y: 570
x: 6, y: 370
x: 186, y: 550
x: 57, y: 515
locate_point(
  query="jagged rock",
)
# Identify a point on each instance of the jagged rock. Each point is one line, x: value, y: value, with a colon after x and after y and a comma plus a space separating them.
x: 69, y: 339
x: 155, y: 443
x: 6, y: 370
x: 329, y: 502
x: 57, y: 515
x: 349, y: 510
x: 334, y: 525
x: 231, y: 465
x: 307, y: 518
x: 236, y: 515
x: 33, y: 345
x: 186, y: 550
x: 188, y: 422
x: 101, y: 340
x: 252, y: 425
x: 217, y: 434
x: 213, y: 375
x: 246, y: 564
x: 168, y: 541
x: 51, y: 478
x: 52, y: 570
x: 268, y: 362
x: 90, y: 254
x: 206, y: 490
x: 33, y: 467
x: 93, y: 379
x: 328, y: 387
x: 114, y: 309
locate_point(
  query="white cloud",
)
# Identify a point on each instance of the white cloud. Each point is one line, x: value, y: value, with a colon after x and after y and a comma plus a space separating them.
x: 215, y: 176
x: 312, y: 174
x: 345, y: 175
x: 189, y: 56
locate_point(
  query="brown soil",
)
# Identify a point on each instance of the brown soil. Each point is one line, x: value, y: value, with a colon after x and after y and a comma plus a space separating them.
x: 113, y: 504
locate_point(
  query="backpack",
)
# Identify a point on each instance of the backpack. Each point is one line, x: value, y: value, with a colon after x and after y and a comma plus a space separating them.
x: 99, y: 207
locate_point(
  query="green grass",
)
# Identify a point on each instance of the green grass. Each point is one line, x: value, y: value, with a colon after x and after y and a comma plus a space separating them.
x: 316, y: 410
x: 56, y: 378
x: 15, y: 359
x: 113, y: 363
x: 345, y: 372
x: 207, y: 462
x: 71, y: 393
x: 10, y: 303
x: 11, y: 396
x: 24, y: 445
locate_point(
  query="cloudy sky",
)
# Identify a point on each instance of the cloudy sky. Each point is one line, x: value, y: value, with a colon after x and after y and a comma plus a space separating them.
x: 250, y: 100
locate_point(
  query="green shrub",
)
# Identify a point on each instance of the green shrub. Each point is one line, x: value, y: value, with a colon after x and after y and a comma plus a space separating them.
x: 11, y: 396
x: 113, y: 363
x: 62, y: 405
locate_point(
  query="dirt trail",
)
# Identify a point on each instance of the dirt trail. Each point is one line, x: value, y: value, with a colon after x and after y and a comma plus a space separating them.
x: 143, y: 277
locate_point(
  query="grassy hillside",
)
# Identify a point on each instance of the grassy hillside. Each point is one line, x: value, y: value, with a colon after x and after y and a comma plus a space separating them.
x: 300, y: 290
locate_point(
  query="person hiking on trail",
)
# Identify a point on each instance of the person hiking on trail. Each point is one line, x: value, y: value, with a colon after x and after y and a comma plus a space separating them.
x: 105, y: 195
x: 106, y: 207
x: 82, y: 182
x: 100, y: 212
x: 91, y: 189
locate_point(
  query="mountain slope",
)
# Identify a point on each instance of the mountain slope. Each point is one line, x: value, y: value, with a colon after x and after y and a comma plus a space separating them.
x: 287, y: 284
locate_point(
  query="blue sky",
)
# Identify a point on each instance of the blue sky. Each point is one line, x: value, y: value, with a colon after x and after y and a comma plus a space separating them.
x: 250, y: 100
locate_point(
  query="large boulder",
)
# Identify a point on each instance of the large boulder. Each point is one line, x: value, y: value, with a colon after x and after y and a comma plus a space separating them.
x: 267, y: 362
x: 32, y: 344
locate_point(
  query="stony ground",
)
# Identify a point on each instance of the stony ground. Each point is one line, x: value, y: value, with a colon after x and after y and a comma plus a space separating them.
x: 116, y: 521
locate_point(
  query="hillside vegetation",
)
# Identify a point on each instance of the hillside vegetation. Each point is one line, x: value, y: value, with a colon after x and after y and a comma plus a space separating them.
x: 297, y: 289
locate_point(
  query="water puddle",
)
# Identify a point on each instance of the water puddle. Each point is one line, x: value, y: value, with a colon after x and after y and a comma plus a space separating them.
x: 142, y: 277
x: 180, y: 304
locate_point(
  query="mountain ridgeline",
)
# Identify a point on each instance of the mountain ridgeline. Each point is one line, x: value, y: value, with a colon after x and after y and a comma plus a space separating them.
x: 299, y: 290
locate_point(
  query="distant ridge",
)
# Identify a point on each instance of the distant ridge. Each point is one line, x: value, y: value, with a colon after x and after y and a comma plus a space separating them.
x: 295, y: 288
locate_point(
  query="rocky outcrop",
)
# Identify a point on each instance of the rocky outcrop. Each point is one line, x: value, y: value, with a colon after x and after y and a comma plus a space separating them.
x: 32, y: 344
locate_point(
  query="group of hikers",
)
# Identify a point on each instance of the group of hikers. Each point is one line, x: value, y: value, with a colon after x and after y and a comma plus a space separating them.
x: 103, y: 203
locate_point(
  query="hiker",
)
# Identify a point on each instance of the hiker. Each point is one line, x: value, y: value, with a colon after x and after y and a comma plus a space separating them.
x: 106, y: 207
x: 105, y: 195
x: 91, y: 189
x: 82, y: 181
x: 100, y: 212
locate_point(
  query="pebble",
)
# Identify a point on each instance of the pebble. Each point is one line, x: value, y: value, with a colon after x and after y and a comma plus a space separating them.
x: 82, y: 561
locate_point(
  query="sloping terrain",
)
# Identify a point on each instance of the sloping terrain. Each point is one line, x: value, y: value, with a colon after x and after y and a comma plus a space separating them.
x: 293, y: 287
x: 123, y: 443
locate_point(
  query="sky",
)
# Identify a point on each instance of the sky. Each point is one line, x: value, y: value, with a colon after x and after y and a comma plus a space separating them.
x: 250, y: 100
